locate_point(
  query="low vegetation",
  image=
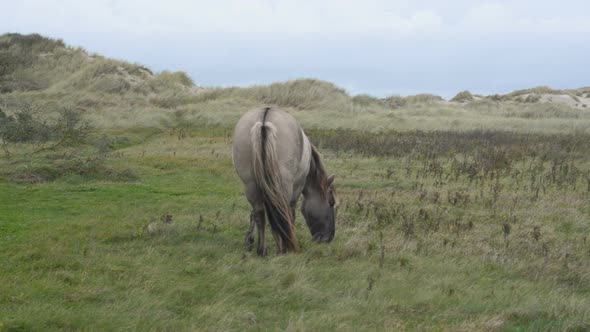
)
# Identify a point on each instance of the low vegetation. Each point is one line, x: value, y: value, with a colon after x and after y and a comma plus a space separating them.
x: 120, y: 208
x: 462, y: 97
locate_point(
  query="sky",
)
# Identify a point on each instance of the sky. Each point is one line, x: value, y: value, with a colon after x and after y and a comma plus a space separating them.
x: 378, y: 47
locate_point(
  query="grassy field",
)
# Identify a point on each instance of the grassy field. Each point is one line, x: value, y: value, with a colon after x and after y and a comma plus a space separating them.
x: 451, y: 216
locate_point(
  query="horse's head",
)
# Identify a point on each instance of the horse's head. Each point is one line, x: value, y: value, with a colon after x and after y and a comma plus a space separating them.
x: 319, y: 211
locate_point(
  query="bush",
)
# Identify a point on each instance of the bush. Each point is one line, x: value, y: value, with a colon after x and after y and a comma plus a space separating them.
x: 366, y: 101
x: 18, y: 52
x: 23, y: 127
x: 70, y: 127
x: 167, y: 81
x: 179, y: 77
x: 537, y: 90
x: 8, y: 63
x: 31, y: 43
x: 463, y: 96
x: 396, y: 101
x: 301, y: 94
x: 497, y: 97
x: 423, y: 98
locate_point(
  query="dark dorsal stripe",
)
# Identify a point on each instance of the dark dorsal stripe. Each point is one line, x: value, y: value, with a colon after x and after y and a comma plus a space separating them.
x: 263, y: 136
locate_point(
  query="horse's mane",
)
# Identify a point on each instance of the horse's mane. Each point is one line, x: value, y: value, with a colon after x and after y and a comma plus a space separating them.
x: 317, y: 173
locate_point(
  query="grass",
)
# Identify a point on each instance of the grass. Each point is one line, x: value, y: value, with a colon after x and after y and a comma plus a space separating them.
x: 80, y: 253
x: 451, y: 217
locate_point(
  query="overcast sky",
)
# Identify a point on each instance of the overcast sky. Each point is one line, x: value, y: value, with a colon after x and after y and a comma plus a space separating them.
x: 380, y: 47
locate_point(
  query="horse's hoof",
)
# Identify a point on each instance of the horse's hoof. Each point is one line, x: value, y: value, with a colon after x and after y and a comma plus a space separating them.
x: 261, y: 252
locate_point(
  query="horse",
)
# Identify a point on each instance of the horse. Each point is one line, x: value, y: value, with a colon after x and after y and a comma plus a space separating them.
x: 276, y: 163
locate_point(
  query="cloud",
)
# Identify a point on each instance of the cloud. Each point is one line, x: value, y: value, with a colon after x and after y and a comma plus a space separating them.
x: 256, y: 17
x: 264, y: 19
x: 408, y: 44
x: 505, y: 21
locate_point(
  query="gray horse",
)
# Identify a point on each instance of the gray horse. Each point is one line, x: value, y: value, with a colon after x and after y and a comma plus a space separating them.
x: 277, y: 163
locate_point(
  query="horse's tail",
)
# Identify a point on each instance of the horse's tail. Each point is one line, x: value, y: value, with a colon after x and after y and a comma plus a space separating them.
x: 268, y: 178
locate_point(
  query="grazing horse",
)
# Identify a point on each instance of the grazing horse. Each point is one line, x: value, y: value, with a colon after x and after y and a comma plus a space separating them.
x: 277, y: 163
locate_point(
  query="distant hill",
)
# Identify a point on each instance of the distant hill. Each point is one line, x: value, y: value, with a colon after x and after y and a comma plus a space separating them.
x: 575, y: 98
x: 34, y: 63
x: 42, y: 69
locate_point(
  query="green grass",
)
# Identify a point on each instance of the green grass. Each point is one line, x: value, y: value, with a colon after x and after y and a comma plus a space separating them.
x: 80, y: 253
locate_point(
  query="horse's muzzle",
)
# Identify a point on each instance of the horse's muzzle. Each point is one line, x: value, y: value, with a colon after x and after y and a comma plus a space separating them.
x: 320, y: 237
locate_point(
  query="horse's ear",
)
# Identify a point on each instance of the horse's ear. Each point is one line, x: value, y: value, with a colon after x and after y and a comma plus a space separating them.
x: 331, y: 180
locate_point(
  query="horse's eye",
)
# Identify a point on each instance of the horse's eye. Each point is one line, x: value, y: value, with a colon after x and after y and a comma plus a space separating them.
x: 332, y: 201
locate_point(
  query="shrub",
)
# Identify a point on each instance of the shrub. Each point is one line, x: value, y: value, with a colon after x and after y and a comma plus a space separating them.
x: 366, y: 101
x: 537, y: 90
x: 71, y: 127
x: 497, y: 97
x: 113, y: 84
x: 19, y: 52
x: 463, y: 96
x: 166, y: 81
x: 302, y: 94
x: 532, y: 98
x: 22, y: 127
x: 179, y: 77
x: 106, y: 144
x: 396, y: 101
x: 7, y: 124
x: 423, y: 98
x: 32, y: 42
x: 8, y: 63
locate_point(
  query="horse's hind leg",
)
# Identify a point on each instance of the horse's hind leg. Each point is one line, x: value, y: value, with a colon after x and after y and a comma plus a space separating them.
x: 259, y: 219
x: 249, y: 240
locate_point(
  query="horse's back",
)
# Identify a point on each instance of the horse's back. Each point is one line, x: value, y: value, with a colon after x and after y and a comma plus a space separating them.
x: 292, y: 147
